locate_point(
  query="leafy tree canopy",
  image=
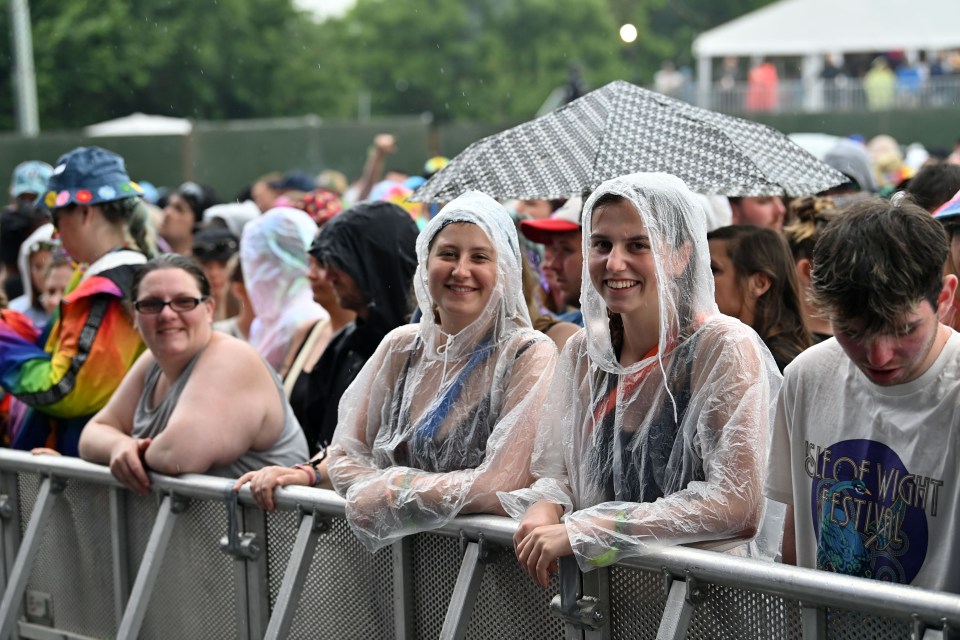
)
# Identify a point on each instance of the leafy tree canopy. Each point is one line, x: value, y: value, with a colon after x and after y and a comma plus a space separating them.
x: 468, y: 60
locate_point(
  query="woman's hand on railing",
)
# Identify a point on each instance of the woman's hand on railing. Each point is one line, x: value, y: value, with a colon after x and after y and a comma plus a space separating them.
x: 126, y: 464
x: 540, y: 540
x: 264, y: 481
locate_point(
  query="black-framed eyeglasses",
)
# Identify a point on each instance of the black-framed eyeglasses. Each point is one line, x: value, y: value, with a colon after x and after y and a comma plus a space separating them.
x: 181, y: 304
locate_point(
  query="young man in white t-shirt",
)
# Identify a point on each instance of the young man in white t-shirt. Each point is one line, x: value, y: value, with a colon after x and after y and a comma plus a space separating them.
x: 866, y: 444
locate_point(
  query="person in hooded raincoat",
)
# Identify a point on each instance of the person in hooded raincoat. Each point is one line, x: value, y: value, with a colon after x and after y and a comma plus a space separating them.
x: 662, y: 433
x: 444, y: 413
x: 273, y: 253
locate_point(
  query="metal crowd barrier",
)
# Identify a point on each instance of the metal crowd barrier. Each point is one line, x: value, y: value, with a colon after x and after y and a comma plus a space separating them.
x: 84, y: 558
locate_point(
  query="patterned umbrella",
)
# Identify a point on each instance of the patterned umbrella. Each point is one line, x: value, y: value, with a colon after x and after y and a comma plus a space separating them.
x: 620, y: 129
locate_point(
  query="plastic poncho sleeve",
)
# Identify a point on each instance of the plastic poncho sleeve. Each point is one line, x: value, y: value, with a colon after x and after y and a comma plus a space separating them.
x: 386, y: 504
x: 90, y: 346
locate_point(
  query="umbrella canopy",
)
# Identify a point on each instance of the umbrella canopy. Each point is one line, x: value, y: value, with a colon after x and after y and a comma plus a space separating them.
x: 621, y: 129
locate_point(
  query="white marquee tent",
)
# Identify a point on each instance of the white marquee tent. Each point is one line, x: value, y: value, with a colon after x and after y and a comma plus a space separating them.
x: 811, y: 29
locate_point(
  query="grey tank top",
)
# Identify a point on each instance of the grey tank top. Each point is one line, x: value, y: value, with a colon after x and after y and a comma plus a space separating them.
x: 289, y: 449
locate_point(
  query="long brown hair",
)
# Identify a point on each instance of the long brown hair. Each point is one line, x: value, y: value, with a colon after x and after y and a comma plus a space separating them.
x: 778, y: 312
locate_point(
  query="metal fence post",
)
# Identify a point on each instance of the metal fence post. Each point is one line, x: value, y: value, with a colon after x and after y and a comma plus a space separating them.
x: 475, y: 557
x: 301, y: 556
x: 13, y: 594
x: 257, y: 600
x: 120, y: 549
x: 596, y: 585
x: 683, y: 596
x: 9, y: 525
x: 814, y: 622
x: 403, y: 589
x: 150, y: 565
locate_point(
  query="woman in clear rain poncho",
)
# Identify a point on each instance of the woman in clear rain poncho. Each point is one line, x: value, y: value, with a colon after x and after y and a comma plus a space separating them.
x: 273, y: 253
x: 444, y: 414
x: 658, y: 431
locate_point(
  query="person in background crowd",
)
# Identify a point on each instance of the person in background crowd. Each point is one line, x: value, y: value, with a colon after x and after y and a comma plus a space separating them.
x: 755, y: 280
x: 183, y: 215
x: 369, y: 255
x: 934, y: 185
x: 875, y: 408
x: 29, y: 181
x: 197, y: 401
x: 212, y: 249
x: 561, y: 236
x: 273, y: 252
x: 92, y: 343
x: 56, y: 278
x: 658, y: 428
x: 238, y: 325
x: 810, y: 215
x: 312, y: 340
x: 36, y: 252
x: 17, y: 222
x: 760, y: 211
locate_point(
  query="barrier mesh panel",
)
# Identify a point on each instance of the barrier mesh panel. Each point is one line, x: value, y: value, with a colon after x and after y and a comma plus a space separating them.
x: 637, y: 600
x: 734, y: 614
x: 509, y: 604
x: 74, y: 558
x: 850, y: 625
x: 195, y: 594
x: 348, y: 592
x: 435, y: 565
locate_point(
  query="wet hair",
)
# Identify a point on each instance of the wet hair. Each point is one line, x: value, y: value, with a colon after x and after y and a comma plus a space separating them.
x: 198, y: 197
x: 171, y: 261
x: 778, y: 313
x: 133, y: 214
x: 875, y: 263
x: 810, y: 214
x: 934, y: 184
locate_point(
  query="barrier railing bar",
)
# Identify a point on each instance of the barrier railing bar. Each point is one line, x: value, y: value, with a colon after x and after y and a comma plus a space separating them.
x: 813, y: 622
x: 149, y: 569
x: 119, y: 550
x: 877, y: 598
x: 934, y: 609
x: 570, y: 589
x: 295, y: 574
x: 403, y: 627
x: 9, y: 525
x: 596, y: 584
x: 13, y: 595
x: 465, y: 592
x: 255, y: 573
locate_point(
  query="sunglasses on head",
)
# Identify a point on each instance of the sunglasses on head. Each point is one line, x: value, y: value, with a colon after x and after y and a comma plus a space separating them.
x: 228, y: 247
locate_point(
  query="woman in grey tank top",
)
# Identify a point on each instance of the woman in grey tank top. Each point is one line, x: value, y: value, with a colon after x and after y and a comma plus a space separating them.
x: 198, y: 401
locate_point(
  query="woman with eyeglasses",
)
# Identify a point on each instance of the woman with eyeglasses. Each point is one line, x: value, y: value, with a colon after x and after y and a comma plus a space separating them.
x: 70, y: 371
x: 198, y: 401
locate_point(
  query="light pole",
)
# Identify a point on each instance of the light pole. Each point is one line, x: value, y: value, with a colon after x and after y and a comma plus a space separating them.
x: 25, y: 79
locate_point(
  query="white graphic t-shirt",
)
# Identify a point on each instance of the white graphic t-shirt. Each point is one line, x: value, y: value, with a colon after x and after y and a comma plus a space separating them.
x: 871, y: 471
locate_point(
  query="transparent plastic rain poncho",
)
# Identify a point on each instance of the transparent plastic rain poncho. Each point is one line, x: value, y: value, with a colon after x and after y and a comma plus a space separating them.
x: 435, y: 423
x: 273, y: 255
x: 671, y: 449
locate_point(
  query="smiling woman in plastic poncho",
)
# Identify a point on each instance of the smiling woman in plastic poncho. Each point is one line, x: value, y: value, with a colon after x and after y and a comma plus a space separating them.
x: 660, y: 437
x: 444, y: 413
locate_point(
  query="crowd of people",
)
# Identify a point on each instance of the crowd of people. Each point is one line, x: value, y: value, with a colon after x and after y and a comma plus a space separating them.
x: 635, y: 367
